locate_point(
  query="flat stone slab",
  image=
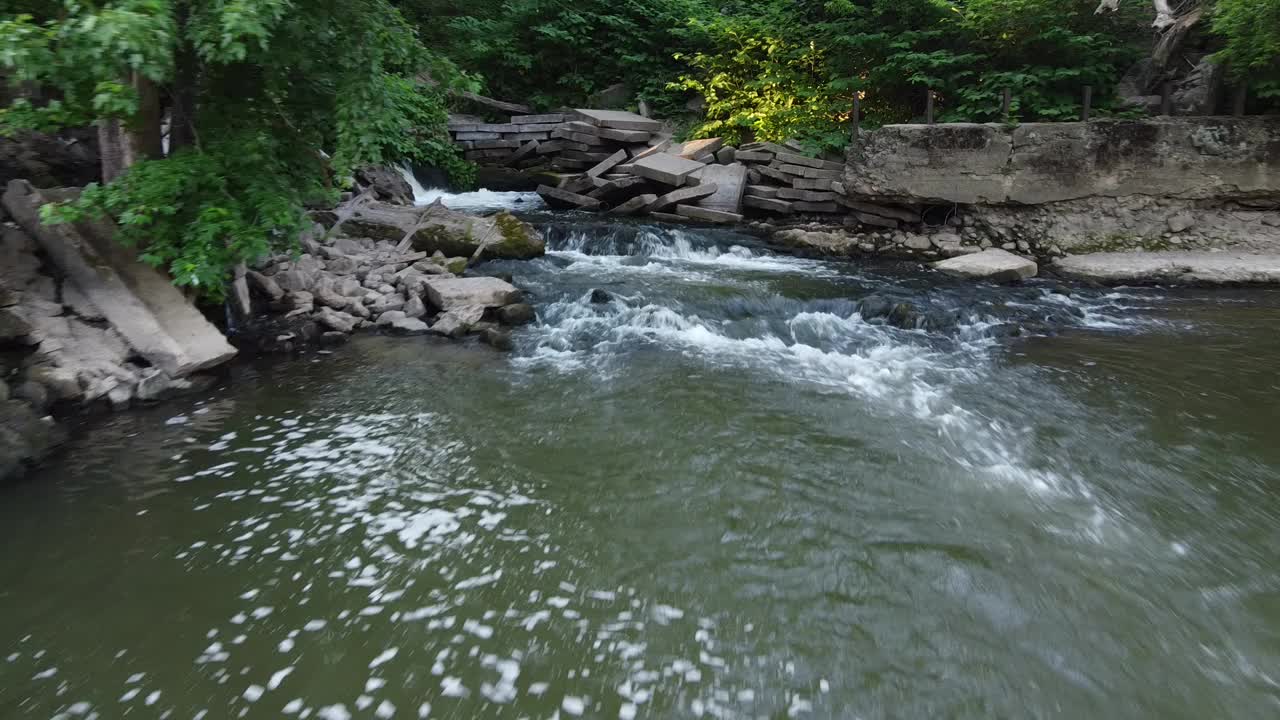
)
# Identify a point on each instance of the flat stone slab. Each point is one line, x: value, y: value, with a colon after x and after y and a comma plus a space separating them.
x: 449, y: 293
x: 995, y: 265
x: 666, y: 169
x: 683, y: 195
x: 770, y: 204
x: 708, y: 215
x: 1196, y: 268
x: 730, y: 182
x: 619, y: 119
x: 607, y: 163
x: 563, y: 199
x: 635, y: 205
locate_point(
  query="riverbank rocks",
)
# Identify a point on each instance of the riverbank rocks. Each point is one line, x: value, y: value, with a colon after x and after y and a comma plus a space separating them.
x: 436, y: 228
x: 993, y: 265
x: 353, y: 283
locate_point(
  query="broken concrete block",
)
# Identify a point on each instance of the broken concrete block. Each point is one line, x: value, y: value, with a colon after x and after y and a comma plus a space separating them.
x: 476, y: 136
x: 762, y: 191
x: 578, y: 137
x: 537, y: 119
x: 770, y: 204
x: 562, y: 199
x: 627, y: 136
x: 607, y: 164
x: 549, y: 147
x: 816, y: 207
x: 818, y: 196
x: 579, y: 126
x: 730, y: 181
x: 789, y: 158
x: 525, y: 151
x: 876, y: 220
x: 810, y: 184
x: 727, y: 155
x: 619, y: 120
x: 707, y: 214
x: 615, y: 190
x: 635, y: 205
x: 823, y: 173
x: 525, y: 137
x: 664, y: 168
x: 696, y: 148
x: 793, y: 170
x: 683, y: 195
x: 754, y: 156
x: 773, y: 173
x: 591, y: 157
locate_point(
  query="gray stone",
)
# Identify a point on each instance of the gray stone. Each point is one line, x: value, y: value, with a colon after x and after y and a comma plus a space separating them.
x: 336, y: 320
x: 415, y: 308
x: 154, y: 385
x: 140, y: 302
x: 994, y: 265
x: 437, y: 228
x: 917, y: 242
x: 342, y: 265
x: 762, y: 191
x: 727, y: 155
x: 626, y: 136
x: 666, y: 169
x: 14, y: 328
x: 695, y: 149
x: 1181, y: 222
x: 389, y: 317
x: 264, y: 285
x: 788, y: 158
x: 449, y: 293
x: 387, y: 185
x: 516, y: 314
x: 33, y: 393
x: 1180, y: 267
x: 458, y: 321
x: 409, y: 326
x: 607, y: 164
x: 906, y: 216
x: 618, y: 188
x: 770, y: 204
x: 498, y: 339
x: 63, y: 384
x: 684, y: 195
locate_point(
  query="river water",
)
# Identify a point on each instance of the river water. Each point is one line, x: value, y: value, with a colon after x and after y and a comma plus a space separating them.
x: 717, y: 491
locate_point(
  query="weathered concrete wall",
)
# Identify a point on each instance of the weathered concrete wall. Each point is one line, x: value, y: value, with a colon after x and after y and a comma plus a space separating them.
x: 1036, y: 163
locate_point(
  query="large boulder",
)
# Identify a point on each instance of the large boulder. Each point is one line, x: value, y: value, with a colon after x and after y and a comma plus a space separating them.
x: 448, y: 293
x: 995, y: 265
x: 388, y: 185
x: 25, y: 438
x: 437, y: 228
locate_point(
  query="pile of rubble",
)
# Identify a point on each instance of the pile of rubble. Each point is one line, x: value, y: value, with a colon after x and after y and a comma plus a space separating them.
x: 562, y: 142
x: 701, y: 180
x: 393, y: 268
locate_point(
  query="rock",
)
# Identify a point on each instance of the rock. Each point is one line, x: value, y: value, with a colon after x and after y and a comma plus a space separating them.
x: 727, y: 155
x: 456, y: 322
x: 62, y: 384
x: 33, y: 393
x: 387, y: 185
x: 296, y: 280
x: 154, y: 385
x: 600, y: 297
x: 1185, y: 267
x: 917, y: 242
x: 335, y: 320
x: 14, y: 329
x: 1181, y: 222
x: 516, y: 314
x: 140, y: 301
x: 25, y: 438
x: 79, y: 304
x: 409, y: 326
x: 994, y: 265
x: 437, y: 228
x: 333, y: 337
x: 342, y: 265
x: 823, y: 243
x: 698, y: 148
x: 448, y: 293
x: 389, y: 317
x: 498, y: 339
x: 771, y: 204
x: 415, y: 308
x: 456, y: 265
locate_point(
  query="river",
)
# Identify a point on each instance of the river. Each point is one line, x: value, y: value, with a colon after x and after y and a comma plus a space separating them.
x: 713, y: 490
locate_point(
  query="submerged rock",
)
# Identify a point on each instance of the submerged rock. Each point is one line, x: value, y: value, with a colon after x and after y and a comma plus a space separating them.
x: 1203, y: 268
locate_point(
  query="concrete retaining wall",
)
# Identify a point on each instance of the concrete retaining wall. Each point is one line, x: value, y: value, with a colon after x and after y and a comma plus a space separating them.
x: 1037, y: 163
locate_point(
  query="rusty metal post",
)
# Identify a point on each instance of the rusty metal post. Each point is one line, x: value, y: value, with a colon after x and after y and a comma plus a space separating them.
x: 928, y: 106
x: 1088, y: 103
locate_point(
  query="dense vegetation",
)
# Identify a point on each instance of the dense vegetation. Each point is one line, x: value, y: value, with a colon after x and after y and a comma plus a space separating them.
x: 271, y: 103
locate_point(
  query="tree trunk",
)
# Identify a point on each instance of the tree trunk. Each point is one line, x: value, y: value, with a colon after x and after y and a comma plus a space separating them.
x: 121, y: 145
x: 111, y: 148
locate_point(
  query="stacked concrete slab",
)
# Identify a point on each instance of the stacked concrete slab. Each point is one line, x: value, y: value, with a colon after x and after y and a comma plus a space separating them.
x: 565, y: 142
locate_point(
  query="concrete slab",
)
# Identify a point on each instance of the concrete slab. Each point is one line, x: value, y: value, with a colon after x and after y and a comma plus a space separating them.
x: 607, y: 164
x: 770, y: 204
x: 664, y: 168
x: 730, y: 181
x: 685, y: 195
x: 536, y: 119
x: 619, y: 119
x: 635, y: 205
x: 707, y: 214
x: 1194, y: 268
x: 563, y: 199
x: 140, y: 302
x: 626, y: 136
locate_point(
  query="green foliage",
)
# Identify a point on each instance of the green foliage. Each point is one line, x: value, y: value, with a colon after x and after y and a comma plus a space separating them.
x: 199, y: 212
x: 268, y: 90
x: 791, y: 69
x: 550, y: 53
x: 1251, y: 33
